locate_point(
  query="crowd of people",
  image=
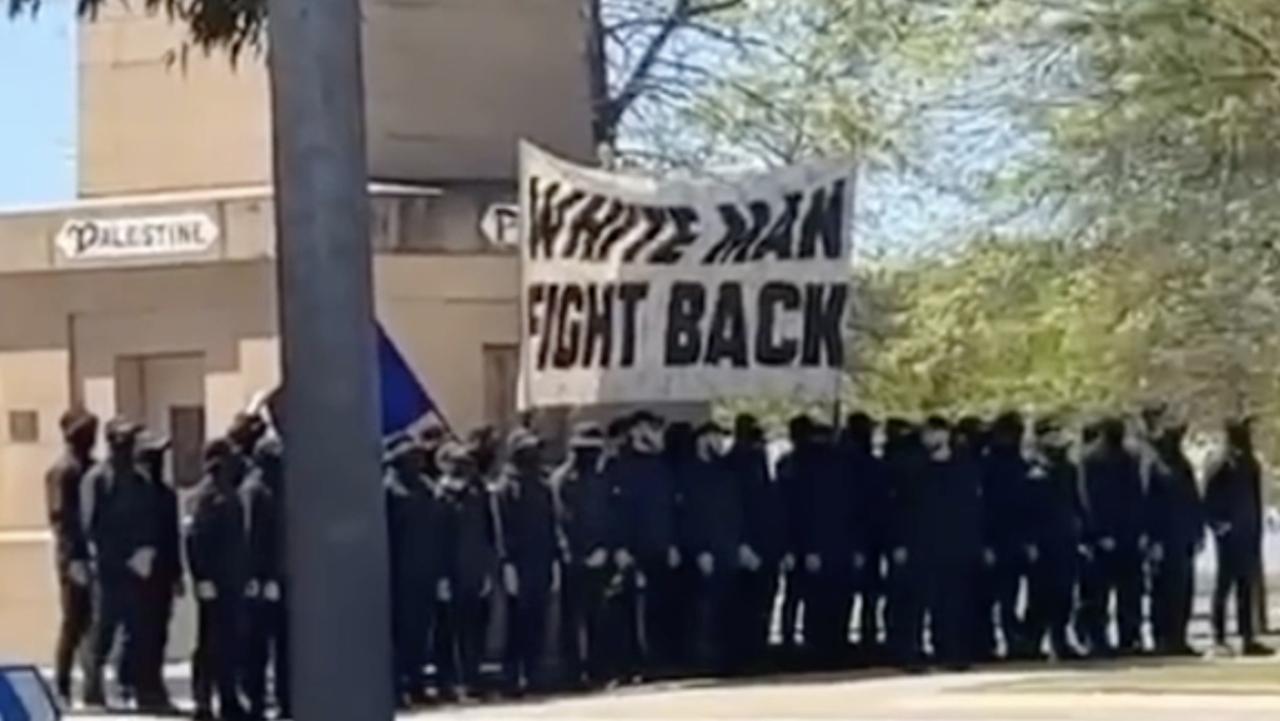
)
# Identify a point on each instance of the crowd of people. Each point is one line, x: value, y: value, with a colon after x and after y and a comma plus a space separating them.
x: 659, y: 550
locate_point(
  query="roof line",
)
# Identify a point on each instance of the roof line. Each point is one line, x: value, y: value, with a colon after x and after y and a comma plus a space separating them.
x: 211, y: 195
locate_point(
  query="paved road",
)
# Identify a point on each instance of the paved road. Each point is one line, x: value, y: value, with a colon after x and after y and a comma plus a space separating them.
x: 994, y: 695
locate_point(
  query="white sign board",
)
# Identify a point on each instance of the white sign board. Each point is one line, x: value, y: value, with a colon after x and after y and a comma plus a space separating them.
x: 119, y: 238
x: 500, y: 224
x: 641, y: 291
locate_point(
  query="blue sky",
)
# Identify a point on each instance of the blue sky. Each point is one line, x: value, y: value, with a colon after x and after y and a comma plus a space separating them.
x: 38, y: 105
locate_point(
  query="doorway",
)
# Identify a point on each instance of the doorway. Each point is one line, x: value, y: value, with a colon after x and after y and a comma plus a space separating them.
x: 166, y: 393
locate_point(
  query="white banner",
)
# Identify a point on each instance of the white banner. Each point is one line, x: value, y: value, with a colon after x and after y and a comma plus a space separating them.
x: 637, y: 290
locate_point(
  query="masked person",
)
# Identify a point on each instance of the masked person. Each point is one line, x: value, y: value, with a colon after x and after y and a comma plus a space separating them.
x: 124, y: 536
x: 1233, y: 500
x: 64, y: 483
x: 761, y: 550
x: 218, y: 554
x: 415, y: 564
x: 531, y: 571
x: 1117, y: 519
x: 953, y: 513
x: 712, y: 537
x: 586, y: 514
x: 162, y: 587
x: 262, y: 495
x: 648, y: 500
x: 828, y: 558
x: 869, y: 499
x: 795, y: 481
x: 464, y: 589
x: 1177, y: 532
x: 907, y: 465
x: 243, y: 434
x: 1056, y: 523
x: 1006, y: 556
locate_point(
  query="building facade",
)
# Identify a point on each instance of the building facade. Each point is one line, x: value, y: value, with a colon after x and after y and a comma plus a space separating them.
x: 153, y: 294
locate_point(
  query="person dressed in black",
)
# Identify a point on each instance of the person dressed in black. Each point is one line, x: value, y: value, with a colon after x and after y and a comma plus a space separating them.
x: 64, y: 483
x: 414, y: 564
x: 245, y: 431
x: 218, y: 554
x: 1177, y: 532
x: 262, y: 494
x: 795, y: 481
x: 828, y: 558
x: 469, y: 561
x: 761, y: 551
x: 1056, y: 524
x: 907, y: 465
x: 530, y: 565
x: 162, y: 587
x: 1117, y: 524
x: 649, y: 507
x: 869, y: 499
x: 953, y: 513
x: 1006, y: 558
x: 1233, y: 501
x: 712, y: 533
x: 124, y: 534
x: 586, y: 512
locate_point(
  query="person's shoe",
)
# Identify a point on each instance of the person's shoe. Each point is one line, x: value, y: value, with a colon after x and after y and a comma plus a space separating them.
x: 1067, y: 654
x: 1222, y: 649
x: 94, y: 697
x: 203, y: 713
x: 1256, y: 650
x: 1181, y: 650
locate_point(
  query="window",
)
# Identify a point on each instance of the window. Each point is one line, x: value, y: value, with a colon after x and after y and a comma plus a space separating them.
x: 24, y: 426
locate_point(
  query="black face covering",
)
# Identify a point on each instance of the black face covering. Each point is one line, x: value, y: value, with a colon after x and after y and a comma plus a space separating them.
x: 1240, y: 438
x: 586, y: 458
x: 525, y: 459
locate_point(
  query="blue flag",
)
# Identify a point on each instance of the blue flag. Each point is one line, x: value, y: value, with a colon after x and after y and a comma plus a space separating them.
x: 404, y: 399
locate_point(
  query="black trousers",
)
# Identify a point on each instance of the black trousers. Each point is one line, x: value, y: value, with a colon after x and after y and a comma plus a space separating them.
x: 907, y: 603
x: 1237, y: 556
x: 216, y: 666
x: 870, y: 586
x: 751, y: 607
x: 1116, y: 574
x: 952, y: 599
x: 587, y: 638
x: 793, y: 606
x: 411, y: 607
x: 1173, y: 593
x: 1002, y: 600
x: 267, y: 646
x: 146, y: 650
x: 525, y: 647
x: 1051, y: 597
x: 459, y: 641
x: 710, y: 625
x: 118, y: 602
x: 828, y: 608
x: 73, y: 631
x: 664, y: 595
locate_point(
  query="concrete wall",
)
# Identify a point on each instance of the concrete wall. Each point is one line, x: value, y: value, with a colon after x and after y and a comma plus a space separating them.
x: 450, y: 85
x: 441, y: 310
x: 155, y: 117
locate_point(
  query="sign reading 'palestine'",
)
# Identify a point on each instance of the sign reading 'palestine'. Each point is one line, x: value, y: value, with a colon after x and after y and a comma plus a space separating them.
x: 637, y: 290
x: 107, y: 238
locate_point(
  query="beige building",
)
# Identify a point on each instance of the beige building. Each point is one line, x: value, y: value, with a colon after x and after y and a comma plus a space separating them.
x: 153, y: 295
